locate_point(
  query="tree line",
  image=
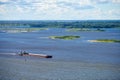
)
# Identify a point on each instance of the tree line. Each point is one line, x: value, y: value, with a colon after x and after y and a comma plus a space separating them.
x: 62, y: 24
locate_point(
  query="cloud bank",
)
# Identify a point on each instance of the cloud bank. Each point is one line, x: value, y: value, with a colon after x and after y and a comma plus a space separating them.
x: 59, y: 9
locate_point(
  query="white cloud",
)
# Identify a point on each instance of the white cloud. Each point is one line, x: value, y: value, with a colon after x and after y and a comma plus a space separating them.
x: 84, y: 2
x: 105, y: 1
x: 100, y: 1
x: 4, y: 0
x: 23, y: 10
x: 116, y: 1
x: 114, y: 12
x: 91, y: 14
x: 2, y: 9
x: 59, y: 9
x: 75, y: 5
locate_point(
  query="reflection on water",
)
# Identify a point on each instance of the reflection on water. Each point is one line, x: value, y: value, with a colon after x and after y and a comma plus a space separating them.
x: 78, y: 49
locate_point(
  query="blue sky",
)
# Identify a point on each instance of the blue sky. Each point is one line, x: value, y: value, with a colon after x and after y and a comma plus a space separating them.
x: 59, y: 9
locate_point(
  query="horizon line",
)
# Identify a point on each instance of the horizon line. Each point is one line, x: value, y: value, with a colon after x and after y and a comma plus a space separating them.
x: 67, y: 20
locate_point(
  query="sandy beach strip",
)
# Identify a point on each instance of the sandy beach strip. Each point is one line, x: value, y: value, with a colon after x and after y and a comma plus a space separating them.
x: 93, y: 41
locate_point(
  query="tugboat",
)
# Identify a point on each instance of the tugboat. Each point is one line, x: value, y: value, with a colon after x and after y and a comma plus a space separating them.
x: 23, y: 53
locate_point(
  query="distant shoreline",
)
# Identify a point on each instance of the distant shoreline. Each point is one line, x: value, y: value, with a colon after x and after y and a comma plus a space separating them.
x: 60, y: 23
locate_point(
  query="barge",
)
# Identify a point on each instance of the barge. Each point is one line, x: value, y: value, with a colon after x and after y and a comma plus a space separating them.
x: 34, y: 55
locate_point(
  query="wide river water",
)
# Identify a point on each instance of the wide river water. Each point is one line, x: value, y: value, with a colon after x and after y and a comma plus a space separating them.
x: 69, y: 50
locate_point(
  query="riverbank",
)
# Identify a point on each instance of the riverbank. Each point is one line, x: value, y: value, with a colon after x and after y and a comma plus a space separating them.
x: 13, y: 68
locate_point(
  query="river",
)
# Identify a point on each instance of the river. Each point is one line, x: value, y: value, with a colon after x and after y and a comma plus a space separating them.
x: 69, y: 50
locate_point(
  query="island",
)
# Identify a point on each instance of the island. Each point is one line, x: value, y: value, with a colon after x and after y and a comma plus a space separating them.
x: 84, y: 29
x: 64, y: 37
x: 105, y: 40
x: 18, y: 30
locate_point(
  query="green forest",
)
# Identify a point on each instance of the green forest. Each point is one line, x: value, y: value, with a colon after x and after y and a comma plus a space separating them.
x: 62, y: 24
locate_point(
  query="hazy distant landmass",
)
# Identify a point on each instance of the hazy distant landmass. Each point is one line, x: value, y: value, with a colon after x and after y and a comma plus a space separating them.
x: 62, y: 24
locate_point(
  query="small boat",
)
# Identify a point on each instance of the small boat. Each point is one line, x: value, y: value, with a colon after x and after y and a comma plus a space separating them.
x: 34, y: 55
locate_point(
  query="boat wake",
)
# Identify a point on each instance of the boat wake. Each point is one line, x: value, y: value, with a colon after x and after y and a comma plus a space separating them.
x: 8, y: 54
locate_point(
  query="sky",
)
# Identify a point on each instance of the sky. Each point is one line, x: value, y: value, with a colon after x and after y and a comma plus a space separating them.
x: 59, y: 9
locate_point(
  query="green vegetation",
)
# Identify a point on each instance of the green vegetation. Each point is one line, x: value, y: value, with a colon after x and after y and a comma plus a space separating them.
x: 108, y: 40
x: 83, y: 29
x: 64, y: 37
x: 77, y: 29
x: 62, y: 24
x: 16, y: 30
x: 105, y: 40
